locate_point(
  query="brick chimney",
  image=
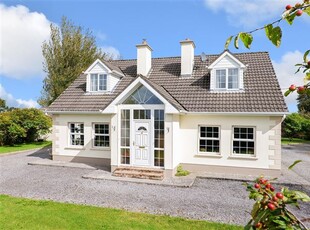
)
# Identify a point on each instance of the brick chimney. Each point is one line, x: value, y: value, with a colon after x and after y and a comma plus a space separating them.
x: 187, y: 57
x: 144, y: 58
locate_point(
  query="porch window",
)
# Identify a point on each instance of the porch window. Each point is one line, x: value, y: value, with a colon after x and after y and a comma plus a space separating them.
x: 76, y: 134
x: 142, y: 96
x: 243, y: 140
x: 101, y: 135
x: 125, y: 136
x: 142, y: 114
x: 159, y: 137
x: 209, y: 139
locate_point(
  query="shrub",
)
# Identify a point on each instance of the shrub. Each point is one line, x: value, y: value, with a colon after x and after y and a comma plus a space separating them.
x: 181, y: 171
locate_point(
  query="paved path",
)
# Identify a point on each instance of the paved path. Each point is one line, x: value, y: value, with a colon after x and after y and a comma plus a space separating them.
x: 209, y: 199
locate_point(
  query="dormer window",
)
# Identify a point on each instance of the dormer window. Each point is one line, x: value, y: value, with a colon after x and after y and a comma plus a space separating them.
x: 227, y: 78
x: 102, y: 77
x: 226, y: 73
x: 98, y: 82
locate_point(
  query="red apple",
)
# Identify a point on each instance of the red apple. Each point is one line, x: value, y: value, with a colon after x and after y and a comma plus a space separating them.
x: 309, y: 63
x: 292, y: 87
x: 279, y: 195
x: 271, y: 206
x: 262, y: 180
x: 257, y: 186
x: 288, y: 7
x: 268, y: 186
x: 272, y: 188
x: 275, y: 199
x: 299, y: 12
x: 300, y: 89
x: 258, y: 225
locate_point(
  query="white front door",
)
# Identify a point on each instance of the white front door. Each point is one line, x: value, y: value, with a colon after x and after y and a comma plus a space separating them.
x: 142, y: 140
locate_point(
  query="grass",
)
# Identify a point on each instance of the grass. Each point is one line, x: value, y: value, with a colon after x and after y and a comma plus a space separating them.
x: 21, y: 147
x: 21, y: 213
x: 287, y: 141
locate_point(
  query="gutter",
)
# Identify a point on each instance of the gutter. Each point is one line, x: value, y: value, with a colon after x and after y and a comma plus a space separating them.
x: 73, y: 112
x: 236, y: 113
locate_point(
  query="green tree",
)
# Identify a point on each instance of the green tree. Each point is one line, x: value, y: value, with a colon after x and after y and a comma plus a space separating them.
x: 292, y: 125
x: 23, y: 125
x: 3, y: 106
x: 303, y: 103
x: 10, y: 132
x: 34, y: 121
x: 67, y: 54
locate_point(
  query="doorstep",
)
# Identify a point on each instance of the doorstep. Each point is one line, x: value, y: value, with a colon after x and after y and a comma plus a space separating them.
x: 185, y: 181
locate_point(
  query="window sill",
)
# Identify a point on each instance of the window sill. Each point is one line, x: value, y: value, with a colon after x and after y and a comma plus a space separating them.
x: 100, y: 148
x: 243, y: 157
x: 75, y: 147
x: 208, y: 155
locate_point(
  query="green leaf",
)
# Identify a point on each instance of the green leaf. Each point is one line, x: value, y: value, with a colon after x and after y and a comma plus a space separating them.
x: 295, y: 162
x: 301, y: 196
x: 287, y: 92
x: 255, y: 209
x: 281, y: 224
x: 307, y: 10
x: 305, y: 56
x: 290, y: 18
x: 236, y: 43
x: 274, y: 34
x: 247, y: 39
x: 307, y: 77
x: 228, y: 42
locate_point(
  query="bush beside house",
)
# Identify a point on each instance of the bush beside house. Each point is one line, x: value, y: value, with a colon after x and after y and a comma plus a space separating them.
x: 23, y: 126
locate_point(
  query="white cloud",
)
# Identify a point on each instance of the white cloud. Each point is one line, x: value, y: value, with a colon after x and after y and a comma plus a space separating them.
x: 113, y: 52
x: 22, y: 34
x: 17, y: 103
x: 249, y: 13
x: 285, y: 70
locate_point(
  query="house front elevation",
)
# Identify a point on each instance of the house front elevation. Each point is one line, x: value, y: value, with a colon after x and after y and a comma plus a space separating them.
x: 208, y: 113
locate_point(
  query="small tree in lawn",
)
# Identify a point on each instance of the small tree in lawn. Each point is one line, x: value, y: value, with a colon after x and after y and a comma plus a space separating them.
x: 270, y: 209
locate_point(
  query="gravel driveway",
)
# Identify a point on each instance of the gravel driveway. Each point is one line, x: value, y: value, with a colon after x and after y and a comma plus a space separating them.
x: 209, y: 199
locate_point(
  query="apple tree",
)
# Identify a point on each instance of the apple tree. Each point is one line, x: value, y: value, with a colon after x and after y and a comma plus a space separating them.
x: 274, y: 34
x: 270, y: 208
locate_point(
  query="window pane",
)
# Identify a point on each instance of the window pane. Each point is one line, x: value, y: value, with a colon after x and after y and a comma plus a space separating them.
x: 221, y: 79
x: 94, y: 82
x: 210, y: 142
x: 125, y: 156
x: 102, y: 82
x: 243, y: 141
x: 233, y: 79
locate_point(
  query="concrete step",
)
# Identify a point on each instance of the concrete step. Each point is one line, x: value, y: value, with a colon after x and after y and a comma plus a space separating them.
x: 142, y: 173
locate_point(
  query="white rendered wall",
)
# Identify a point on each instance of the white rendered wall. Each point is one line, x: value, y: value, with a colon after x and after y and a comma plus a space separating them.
x: 61, y: 145
x: 264, y: 144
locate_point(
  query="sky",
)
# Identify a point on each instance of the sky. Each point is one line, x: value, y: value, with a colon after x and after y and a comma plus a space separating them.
x: 119, y: 25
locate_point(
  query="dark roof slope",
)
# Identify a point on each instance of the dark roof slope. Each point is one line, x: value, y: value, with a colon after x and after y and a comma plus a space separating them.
x: 261, y: 93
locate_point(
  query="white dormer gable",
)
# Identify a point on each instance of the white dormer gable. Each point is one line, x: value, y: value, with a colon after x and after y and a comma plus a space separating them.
x: 101, y: 78
x: 226, y: 73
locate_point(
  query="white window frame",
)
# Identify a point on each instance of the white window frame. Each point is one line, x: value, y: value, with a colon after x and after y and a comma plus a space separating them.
x: 100, y: 134
x: 209, y: 138
x: 240, y: 139
x: 70, y: 133
x: 226, y: 79
x: 98, y: 81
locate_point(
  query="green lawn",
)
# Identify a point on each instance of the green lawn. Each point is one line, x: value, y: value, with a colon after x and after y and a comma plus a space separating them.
x: 21, y: 147
x: 20, y: 213
x: 287, y: 141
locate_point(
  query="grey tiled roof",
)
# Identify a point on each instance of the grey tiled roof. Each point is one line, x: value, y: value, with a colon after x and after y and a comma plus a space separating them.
x: 261, y: 93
